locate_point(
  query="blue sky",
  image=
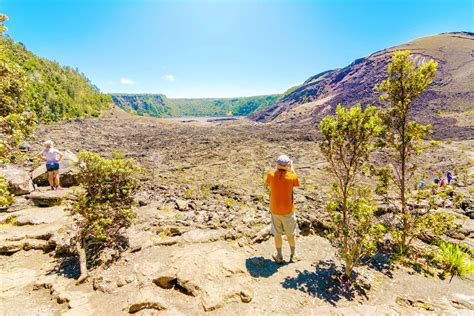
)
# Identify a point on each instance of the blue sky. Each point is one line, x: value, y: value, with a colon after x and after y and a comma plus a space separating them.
x: 220, y: 48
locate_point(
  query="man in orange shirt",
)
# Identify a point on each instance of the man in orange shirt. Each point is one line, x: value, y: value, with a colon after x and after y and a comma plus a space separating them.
x: 281, y: 182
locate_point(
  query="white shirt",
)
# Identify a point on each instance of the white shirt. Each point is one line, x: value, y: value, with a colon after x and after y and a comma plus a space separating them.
x: 51, y: 154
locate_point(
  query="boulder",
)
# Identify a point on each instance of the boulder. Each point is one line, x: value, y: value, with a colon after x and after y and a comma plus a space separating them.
x: 181, y: 205
x: 18, y: 179
x: 37, y: 216
x: 215, y: 273
x: 142, y: 198
x: 456, y: 234
x: 44, y: 198
x: 470, y: 214
x: 11, y: 246
x: 147, y: 301
x: 67, y: 171
x: 203, y: 235
x: 465, y: 204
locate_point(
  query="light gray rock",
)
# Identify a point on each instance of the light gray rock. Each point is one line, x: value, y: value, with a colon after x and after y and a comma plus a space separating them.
x: 18, y: 179
x: 262, y: 235
x: 36, y: 216
x: 215, y: 273
x: 16, y: 277
x: 146, y: 299
x: 64, y: 291
x: 181, y: 205
x: 463, y: 301
x: 38, y: 236
x: 203, y: 236
x: 47, y: 198
x: 9, y: 247
x: 42, y: 231
x: 12, y: 246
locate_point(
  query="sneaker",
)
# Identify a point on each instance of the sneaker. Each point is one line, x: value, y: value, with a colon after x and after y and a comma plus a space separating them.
x: 277, y: 258
x: 295, y: 258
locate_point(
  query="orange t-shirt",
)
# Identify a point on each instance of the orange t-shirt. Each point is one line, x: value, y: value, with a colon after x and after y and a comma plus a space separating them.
x: 281, y: 191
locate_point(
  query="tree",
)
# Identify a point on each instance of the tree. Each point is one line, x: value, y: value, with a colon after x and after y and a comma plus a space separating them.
x: 105, y: 205
x: 406, y: 139
x: 51, y: 91
x: 16, y: 122
x: 3, y: 28
x: 349, y: 138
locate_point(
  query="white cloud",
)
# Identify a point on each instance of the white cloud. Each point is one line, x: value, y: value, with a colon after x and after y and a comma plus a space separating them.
x: 127, y: 81
x: 170, y: 78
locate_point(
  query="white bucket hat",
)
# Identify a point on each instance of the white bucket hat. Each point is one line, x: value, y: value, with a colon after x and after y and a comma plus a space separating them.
x: 48, y: 143
x: 283, y: 162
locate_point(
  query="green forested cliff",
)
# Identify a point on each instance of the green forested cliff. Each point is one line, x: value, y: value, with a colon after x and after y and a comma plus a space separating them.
x: 52, y: 91
x: 159, y: 105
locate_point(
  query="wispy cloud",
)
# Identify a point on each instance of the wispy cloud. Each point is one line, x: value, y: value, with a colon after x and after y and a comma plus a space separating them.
x: 127, y: 81
x: 170, y: 78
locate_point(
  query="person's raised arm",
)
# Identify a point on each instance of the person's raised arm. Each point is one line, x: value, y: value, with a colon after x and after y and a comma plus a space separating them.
x: 292, y: 167
x: 60, y: 156
x: 40, y: 154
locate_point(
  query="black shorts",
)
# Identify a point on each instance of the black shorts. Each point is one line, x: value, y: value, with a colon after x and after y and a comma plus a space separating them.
x: 52, y: 166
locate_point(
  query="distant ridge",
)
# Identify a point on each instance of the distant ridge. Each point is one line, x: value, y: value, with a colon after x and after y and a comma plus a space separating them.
x: 158, y: 105
x: 448, y: 103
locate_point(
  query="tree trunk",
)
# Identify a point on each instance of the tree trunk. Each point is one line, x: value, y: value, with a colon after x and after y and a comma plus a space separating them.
x: 348, y: 271
x: 82, y: 262
x: 404, y: 209
x: 405, y: 232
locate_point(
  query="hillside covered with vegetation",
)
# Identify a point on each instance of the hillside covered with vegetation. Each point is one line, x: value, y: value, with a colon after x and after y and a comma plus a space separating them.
x: 52, y: 91
x: 159, y: 105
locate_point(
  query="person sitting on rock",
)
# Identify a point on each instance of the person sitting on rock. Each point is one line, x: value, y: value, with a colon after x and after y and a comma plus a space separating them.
x: 52, y: 156
x: 281, y: 182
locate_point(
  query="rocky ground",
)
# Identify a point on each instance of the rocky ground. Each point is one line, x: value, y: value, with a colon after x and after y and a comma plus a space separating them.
x: 201, y: 242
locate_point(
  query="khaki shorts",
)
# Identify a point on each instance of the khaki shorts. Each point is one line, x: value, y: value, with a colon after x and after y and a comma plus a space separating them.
x: 284, y: 224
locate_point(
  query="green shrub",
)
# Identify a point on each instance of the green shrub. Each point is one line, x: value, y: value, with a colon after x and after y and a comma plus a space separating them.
x: 5, y: 196
x: 458, y: 197
x: 230, y: 202
x: 454, y: 260
x: 348, y: 141
x: 105, y: 205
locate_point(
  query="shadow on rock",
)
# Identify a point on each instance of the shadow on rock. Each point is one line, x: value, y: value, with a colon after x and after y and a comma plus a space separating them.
x: 324, y: 283
x: 381, y: 263
x: 68, y: 267
x: 260, y: 267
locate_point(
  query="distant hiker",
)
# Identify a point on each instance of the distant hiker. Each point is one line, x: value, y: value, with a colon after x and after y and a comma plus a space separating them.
x: 442, y: 183
x: 281, y: 182
x: 421, y: 185
x: 52, y: 157
x: 436, y: 180
x: 449, y: 176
